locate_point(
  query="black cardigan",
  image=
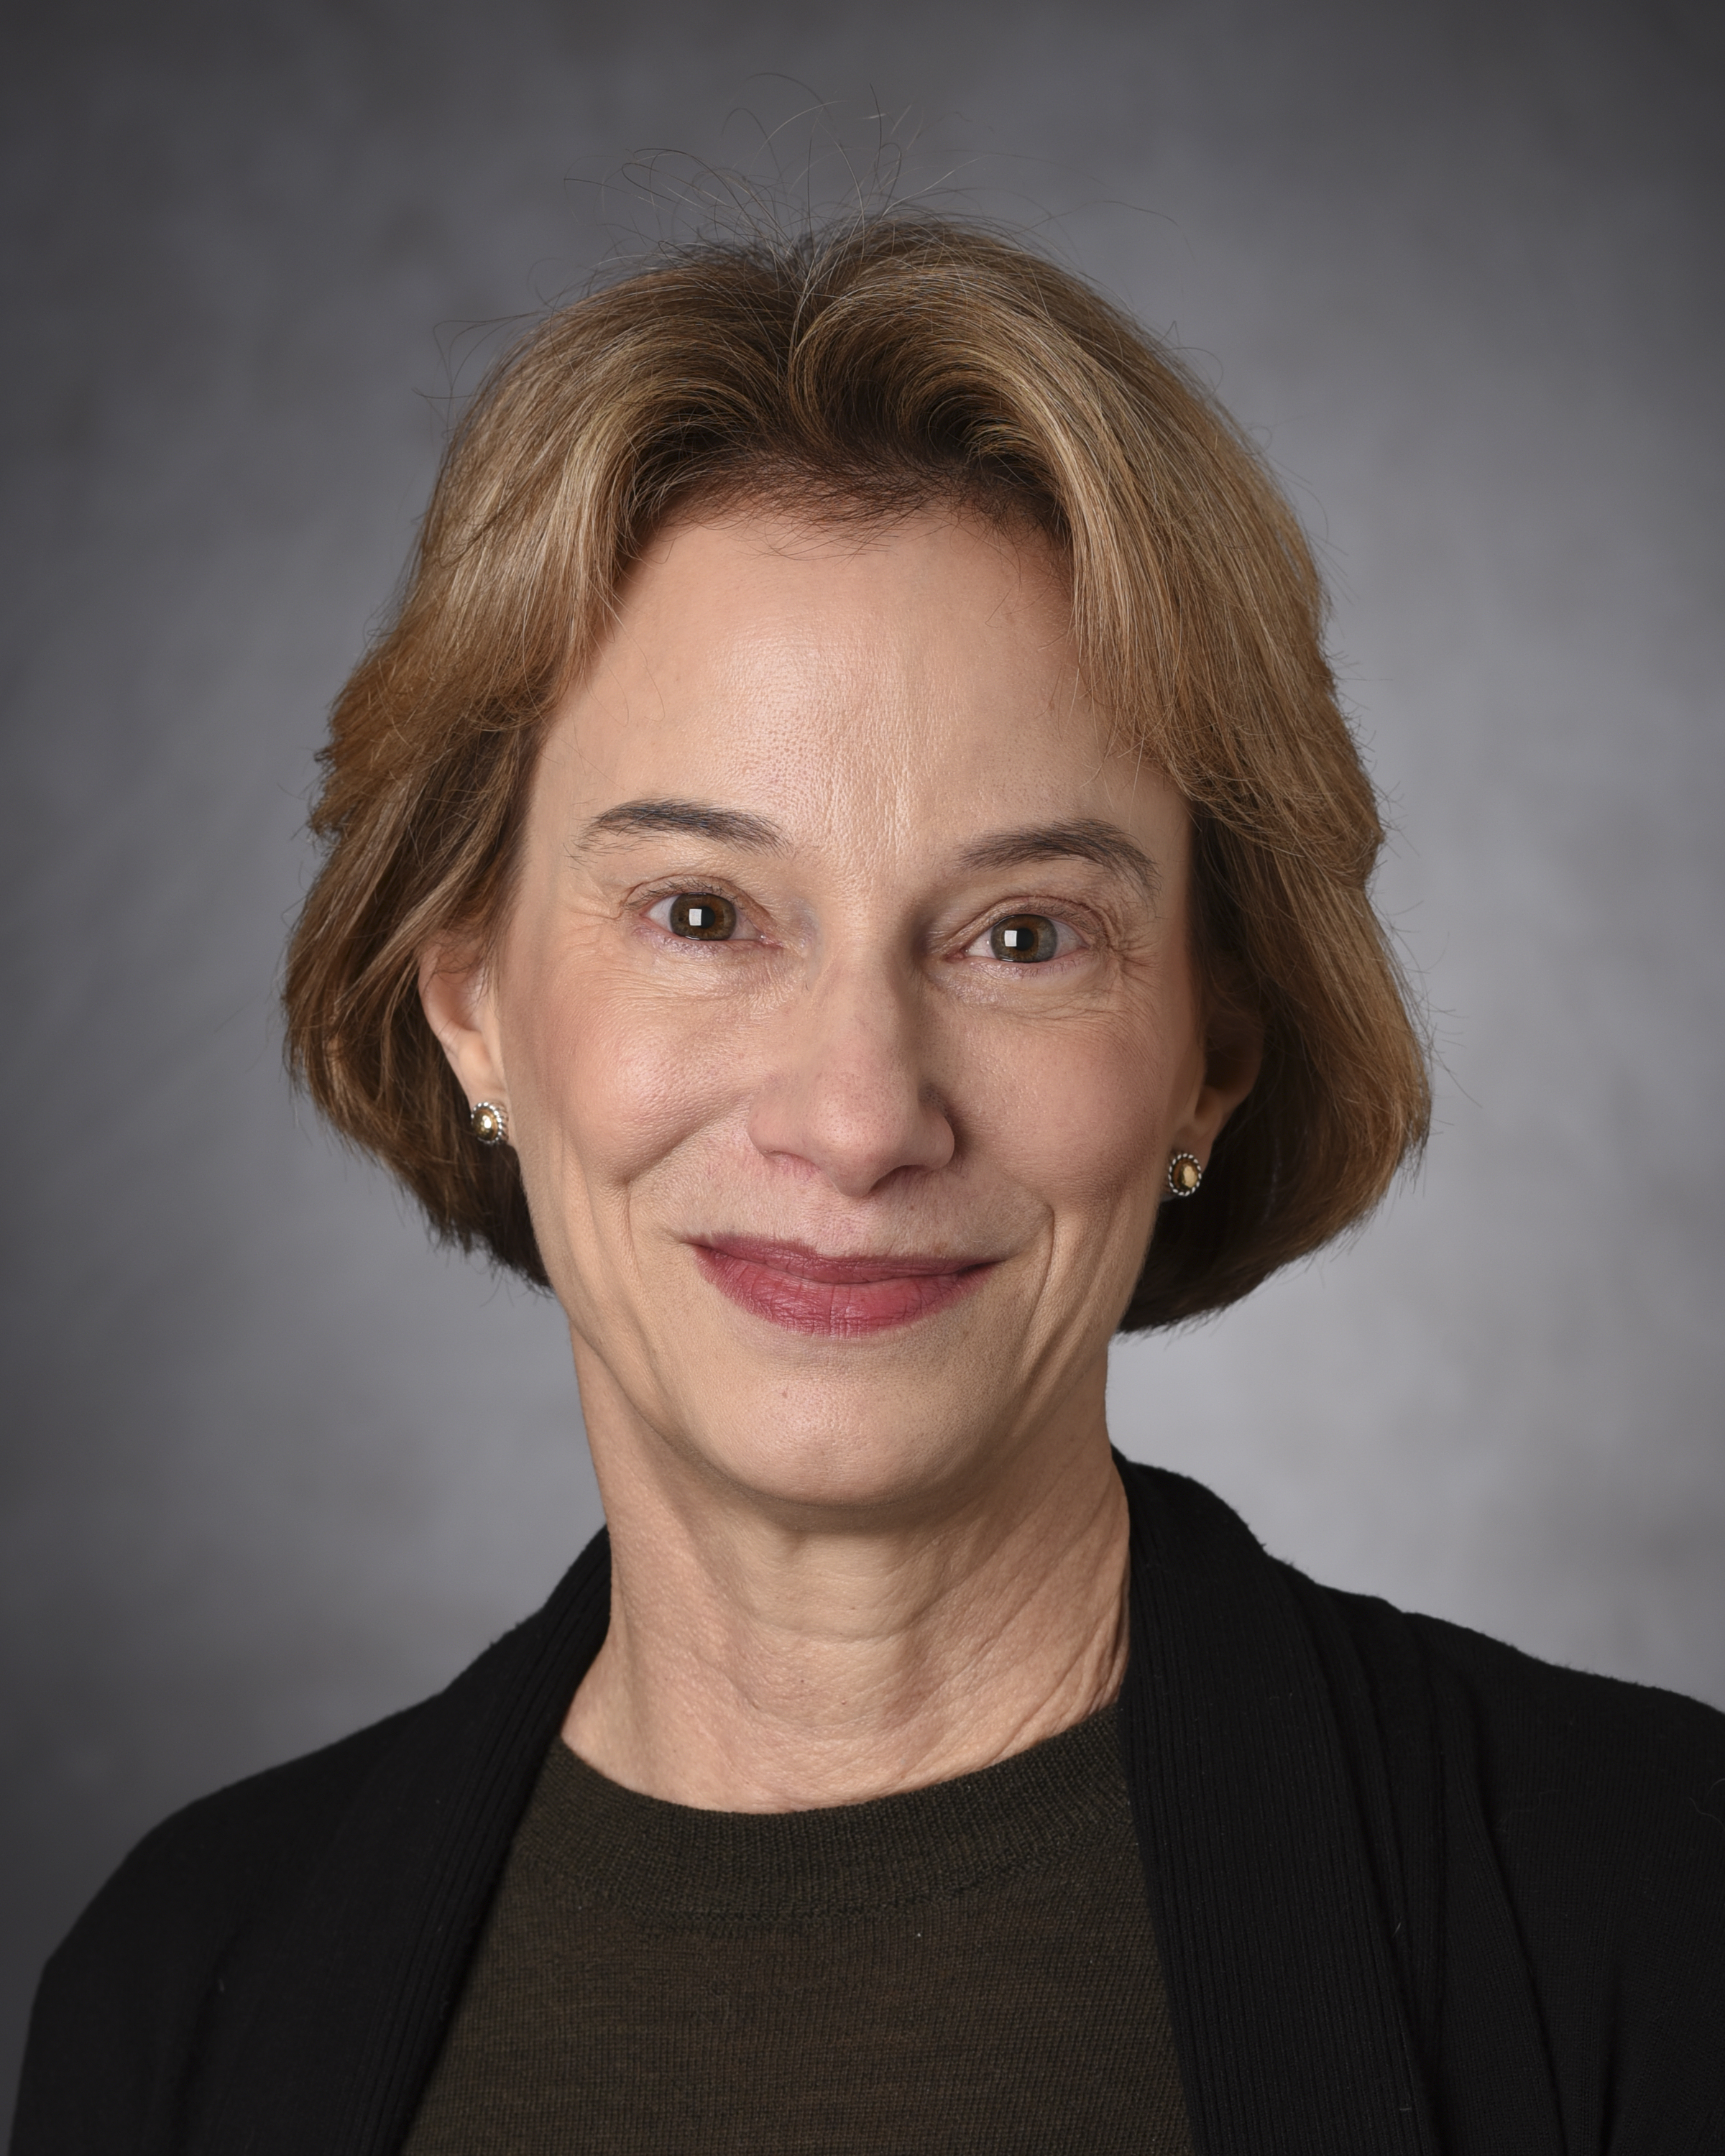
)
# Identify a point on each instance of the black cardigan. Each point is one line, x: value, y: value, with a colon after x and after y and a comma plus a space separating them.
x: 1414, y: 1891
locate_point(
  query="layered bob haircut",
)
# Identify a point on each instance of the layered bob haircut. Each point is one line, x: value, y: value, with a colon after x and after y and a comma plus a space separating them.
x: 889, y: 364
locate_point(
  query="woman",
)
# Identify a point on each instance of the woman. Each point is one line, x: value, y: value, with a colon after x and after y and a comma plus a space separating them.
x: 849, y: 869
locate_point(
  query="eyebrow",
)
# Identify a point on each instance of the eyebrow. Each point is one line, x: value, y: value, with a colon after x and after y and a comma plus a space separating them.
x: 1086, y: 838
x: 730, y: 826
x: 1083, y: 838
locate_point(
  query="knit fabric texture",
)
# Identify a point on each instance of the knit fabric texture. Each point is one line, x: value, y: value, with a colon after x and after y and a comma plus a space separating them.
x: 968, y: 1967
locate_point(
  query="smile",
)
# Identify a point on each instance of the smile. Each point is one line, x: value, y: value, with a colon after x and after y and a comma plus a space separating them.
x: 841, y: 1298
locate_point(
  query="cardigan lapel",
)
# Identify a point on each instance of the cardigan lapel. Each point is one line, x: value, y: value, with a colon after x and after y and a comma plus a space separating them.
x: 1292, y: 2036
x: 354, y: 1994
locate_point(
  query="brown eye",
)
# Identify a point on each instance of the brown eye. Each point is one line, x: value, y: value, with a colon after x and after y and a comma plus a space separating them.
x: 704, y: 915
x: 1024, y: 939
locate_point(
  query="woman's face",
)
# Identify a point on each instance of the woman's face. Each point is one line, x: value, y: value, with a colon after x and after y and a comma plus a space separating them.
x: 845, y: 1014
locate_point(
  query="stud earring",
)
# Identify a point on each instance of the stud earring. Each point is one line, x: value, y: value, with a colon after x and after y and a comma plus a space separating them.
x: 490, y: 1125
x: 1185, y: 1172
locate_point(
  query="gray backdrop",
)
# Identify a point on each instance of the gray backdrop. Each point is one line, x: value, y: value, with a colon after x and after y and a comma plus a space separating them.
x: 274, y: 1466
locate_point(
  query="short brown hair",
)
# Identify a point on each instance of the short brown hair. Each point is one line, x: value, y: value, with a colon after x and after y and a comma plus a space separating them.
x: 872, y: 367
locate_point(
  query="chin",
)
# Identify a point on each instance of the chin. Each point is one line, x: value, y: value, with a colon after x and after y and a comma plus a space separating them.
x: 810, y: 1454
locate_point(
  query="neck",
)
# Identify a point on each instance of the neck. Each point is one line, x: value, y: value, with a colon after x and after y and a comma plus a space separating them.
x: 762, y: 1660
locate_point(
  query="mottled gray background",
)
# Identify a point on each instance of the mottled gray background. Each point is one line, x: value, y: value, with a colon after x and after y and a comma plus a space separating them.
x: 272, y: 1466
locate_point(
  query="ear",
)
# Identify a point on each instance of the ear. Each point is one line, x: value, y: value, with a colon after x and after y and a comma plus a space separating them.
x: 1234, y: 1054
x: 455, y: 994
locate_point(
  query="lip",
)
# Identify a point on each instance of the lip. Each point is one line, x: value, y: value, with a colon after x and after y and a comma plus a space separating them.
x: 838, y: 1298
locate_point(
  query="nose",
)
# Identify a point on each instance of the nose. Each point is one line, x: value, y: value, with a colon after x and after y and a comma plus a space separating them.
x: 847, y: 1093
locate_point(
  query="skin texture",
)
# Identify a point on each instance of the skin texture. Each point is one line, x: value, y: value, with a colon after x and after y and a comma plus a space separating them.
x: 856, y: 1549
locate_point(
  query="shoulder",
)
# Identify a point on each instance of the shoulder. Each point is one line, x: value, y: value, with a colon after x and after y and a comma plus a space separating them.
x: 200, y: 1872
x: 1579, y: 1775
x: 1591, y: 1811
x: 245, y: 1949
x: 1546, y: 1848
x: 141, y: 1973
x: 1565, y: 1742
x: 1594, y: 1760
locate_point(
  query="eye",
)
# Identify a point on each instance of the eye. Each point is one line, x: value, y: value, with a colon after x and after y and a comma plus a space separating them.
x: 1024, y: 939
x: 707, y: 915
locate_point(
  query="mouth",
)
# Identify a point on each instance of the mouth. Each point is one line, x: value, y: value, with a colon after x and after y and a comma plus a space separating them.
x: 838, y: 1298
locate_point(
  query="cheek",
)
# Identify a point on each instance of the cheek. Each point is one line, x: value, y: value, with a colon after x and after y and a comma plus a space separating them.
x: 614, y: 1079
x: 1077, y: 1115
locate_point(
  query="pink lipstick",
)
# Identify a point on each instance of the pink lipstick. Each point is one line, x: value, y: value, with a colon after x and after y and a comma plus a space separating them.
x: 841, y: 1298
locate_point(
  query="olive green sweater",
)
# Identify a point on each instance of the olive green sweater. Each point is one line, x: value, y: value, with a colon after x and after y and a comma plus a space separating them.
x: 968, y: 1967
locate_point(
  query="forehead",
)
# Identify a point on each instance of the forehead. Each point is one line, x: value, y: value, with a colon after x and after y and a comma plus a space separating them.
x: 892, y: 679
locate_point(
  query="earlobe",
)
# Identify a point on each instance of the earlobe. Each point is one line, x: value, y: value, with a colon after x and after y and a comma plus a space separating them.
x: 454, y: 993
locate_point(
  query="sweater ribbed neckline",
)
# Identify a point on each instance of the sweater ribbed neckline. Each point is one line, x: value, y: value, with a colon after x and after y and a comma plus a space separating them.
x: 676, y: 1863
